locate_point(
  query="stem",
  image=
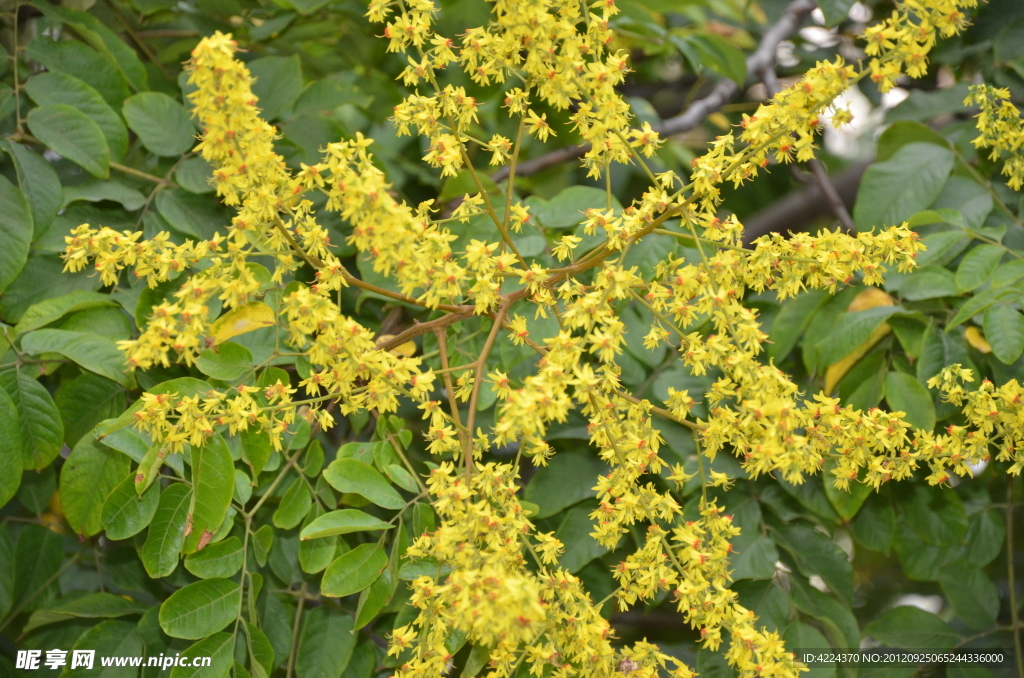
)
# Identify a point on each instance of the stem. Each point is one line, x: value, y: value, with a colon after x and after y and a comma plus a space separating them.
x: 295, y: 631
x: 54, y: 577
x: 453, y: 403
x: 479, y: 366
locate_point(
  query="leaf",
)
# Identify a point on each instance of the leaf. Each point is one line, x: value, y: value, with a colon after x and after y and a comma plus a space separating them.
x: 985, y: 535
x: 978, y: 266
x: 325, y: 644
x: 91, y: 472
x: 161, y: 122
x: 41, y: 429
x: 278, y: 83
x: 1004, y: 330
x: 166, y: 531
x: 256, y: 449
x: 851, y: 332
x: 899, y: 134
x: 111, y: 638
x: 1008, y: 273
x: 756, y: 561
x: 567, y: 208
x: 73, y: 135
x: 213, y: 485
x: 52, y: 310
x: 195, y: 175
x: 566, y: 480
x: 934, y: 513
x: 801, y: 636
x: 248, y: 317
x: 979, y: 303
x: 316, y: 554
x: 972, y: 594
x: 200, y: 609
x: 719, y: 55
x: 262, y: 542
x: 11, y: 453
x: 219, y: 647
x: 15, y: 232
x: 223, y: 559
x: 125, y: 512
x: 81, y: 61
x: 574, y: 533
x: 261, y: 652
x: 294, y: 505
x: 90, y: 606
x: 908, y: 182
x: 98, y: 191
x: 929, y: 283
x: 48, y: 89
x: 835, y: 12
x: 342, y: 522
x: 904, y: 393
x: 838, y: 622
x: 190, y: 214
x: 846, y: 502
x: 228, y: 361
x: 354, y: 571
x: 351, y: 475
x: 791, y: 321
x: 85, y: 401
x: 911, y: 627
x: 816, y: 554
x: 939, y: 247
x: 37, y: 557
x: 399, y: 476
x: 40, y: 185
x: 42, y: 278
x: 92, y: 352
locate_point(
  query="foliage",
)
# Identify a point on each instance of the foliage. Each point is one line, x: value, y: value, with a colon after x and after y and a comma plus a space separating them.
x: 313, y: 398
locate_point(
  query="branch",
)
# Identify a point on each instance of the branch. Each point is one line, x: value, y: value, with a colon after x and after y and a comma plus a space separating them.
x: 723, y: 91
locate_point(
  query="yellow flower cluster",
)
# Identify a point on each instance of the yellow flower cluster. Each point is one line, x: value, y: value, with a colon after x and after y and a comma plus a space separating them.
x: 901, y: 43
x: 1000, y: 129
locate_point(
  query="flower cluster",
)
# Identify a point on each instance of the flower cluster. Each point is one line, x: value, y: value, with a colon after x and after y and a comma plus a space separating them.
x: 1000, y: 129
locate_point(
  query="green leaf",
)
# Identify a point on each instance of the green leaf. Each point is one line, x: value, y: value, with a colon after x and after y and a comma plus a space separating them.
x: 1004, y: 329
x: 256, y: 449
x: 373, y: 599
x: 98, y: 191
x: 161, y: 122
x: 978, y: 266
x: 189, y: 214
x: 932, y: 282
x: 125, y: 512
x: 803, y: 636
x: 838, y: 622
x: 91, y: 472
x: 262, y: 541
x: 91, y: 606
x: 316, y: 554
x: 325, y: 645
x: 1008, y: 273
x: 939, y: 247
x: 985, y: 535
x: 351, y: 475
x: 200, y: 609
x: 52, y: 310
x: 111, y: 638
x: 835, y: 12
x: 38, y: 181
x: 399, y: 476
x: 37, y: 488
x: 15, y: 232
x: 846, y: 502
x: 934, y: 513
x: 261, y: 652
x: 908, y: 182
x: 816, y: 554
x: 223, y: 559
x: 11, y: 452
x: 756, y: 561
x: 220, y: 648
x: 719, y: 55
x: 567, y: 479
x: 213, y: 485
x: 42, y: 278
x: 791, y: 321
x: 852, y: 330
x: 979, y: 303
x: 899, y: 134
x: 904, y: 393
x: 911, y: 627
x: 294, y: 505
x: 574, y: 533
x: 73, y: 135
x: 85, y: 401
x: 972, y: 594
x: 278, y: 84
x: 567, y: 209
x: 38, y: 555
x: 342, y: 522
x: 227, y: 361
x: 195, y: 176
x: 92, y: 352
x: 354, y: 571
x: 41, y: 429
x: 81, y: 61
x: 166, y: 531
x: 48, y: 89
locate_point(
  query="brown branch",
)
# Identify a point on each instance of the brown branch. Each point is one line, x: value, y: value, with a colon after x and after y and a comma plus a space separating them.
x: 723, y: 92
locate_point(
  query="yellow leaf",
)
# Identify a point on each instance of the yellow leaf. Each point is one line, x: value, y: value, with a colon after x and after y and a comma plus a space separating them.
x: 869, y: 298
x: 408, y: 349
x: 719, y: 121
x: 976, y: 339
x: 246, y: 318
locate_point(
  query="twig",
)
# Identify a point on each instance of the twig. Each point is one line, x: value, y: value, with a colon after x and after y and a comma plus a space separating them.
x: 295, y: 631
x: 1011, y: 578
x: 695, y: 114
